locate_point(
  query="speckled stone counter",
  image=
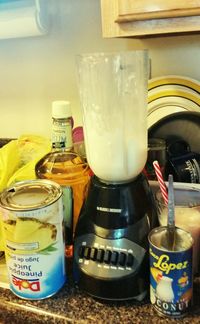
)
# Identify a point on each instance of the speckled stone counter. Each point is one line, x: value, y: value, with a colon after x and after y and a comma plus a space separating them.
x: 70, y: 305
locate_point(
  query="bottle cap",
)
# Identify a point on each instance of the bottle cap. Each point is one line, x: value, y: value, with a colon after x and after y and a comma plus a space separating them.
x: 61, y: 109
x: 77, y: 134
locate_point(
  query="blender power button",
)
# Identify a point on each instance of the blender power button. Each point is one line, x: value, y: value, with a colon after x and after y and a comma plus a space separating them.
x: 81, y: 251
x: 130, y: 260
x: 87, y: 252
x: 107, y: 256
x: 93, y: 254
x: 100, y: 255
x: 122, y: 259
x: 114, y: 258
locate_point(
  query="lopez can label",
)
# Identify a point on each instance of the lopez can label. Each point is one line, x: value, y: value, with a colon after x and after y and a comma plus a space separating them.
x: 32, y: 218
x: 170, y: 272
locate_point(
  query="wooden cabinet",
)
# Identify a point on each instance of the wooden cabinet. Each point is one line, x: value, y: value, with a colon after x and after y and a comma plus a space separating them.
x: 138, y: 18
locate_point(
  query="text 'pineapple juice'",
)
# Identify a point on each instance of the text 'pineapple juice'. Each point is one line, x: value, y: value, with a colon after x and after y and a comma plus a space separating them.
x: 32, y: 219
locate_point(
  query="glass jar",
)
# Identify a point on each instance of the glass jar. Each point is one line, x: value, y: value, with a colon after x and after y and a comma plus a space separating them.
x: 113, y: 93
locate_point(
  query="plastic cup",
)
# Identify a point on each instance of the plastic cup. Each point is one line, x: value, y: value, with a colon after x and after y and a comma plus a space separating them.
x: 187, y: 214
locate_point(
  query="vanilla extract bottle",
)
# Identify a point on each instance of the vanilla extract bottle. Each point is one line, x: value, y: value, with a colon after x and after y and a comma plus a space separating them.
x: 65, y: 167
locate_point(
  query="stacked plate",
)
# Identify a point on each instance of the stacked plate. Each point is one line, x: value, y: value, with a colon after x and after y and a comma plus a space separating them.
x: 171, y: 94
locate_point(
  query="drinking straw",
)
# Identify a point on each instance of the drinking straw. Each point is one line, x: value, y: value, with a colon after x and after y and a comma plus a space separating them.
x: 161, y: 182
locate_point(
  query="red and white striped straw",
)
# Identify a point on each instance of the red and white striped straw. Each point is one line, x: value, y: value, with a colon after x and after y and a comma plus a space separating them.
x: 161, y: 182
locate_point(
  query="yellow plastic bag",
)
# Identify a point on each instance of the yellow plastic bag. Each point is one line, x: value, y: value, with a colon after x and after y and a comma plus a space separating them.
x: 9, y: 162
x: 31, y: 149
x: 17, y: 162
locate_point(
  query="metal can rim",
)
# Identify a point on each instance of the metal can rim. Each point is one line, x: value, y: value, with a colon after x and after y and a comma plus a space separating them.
x: 156, y: 229
x: 55, y: 192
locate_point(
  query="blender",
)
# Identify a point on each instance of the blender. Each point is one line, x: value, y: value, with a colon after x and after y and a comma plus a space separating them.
x: 111, y: 237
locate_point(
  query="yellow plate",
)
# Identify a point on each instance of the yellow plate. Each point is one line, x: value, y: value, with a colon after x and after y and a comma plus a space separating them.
x: 175, y: 80
x: 171, y: 94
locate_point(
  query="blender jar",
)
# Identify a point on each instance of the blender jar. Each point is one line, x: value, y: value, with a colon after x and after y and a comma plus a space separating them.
x: 113, y: 93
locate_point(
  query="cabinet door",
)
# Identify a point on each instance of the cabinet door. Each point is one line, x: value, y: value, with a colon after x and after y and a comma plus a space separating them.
x: 136, y: 18
x: 131, y: 10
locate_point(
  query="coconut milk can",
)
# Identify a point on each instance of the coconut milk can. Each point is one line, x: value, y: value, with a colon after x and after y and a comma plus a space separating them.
x: 170, y: 272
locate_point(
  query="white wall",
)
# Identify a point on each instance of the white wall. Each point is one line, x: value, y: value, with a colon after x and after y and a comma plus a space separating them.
x: 35, y: 71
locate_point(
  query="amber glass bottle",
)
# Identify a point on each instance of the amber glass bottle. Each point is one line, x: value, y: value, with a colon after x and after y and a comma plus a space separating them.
x: 63, y: 165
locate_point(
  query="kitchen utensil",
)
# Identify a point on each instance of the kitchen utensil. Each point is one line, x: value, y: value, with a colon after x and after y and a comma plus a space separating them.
x: 111, y: 244
x: 171, y: 218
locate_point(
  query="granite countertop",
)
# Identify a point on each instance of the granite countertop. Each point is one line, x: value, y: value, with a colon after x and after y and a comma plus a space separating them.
x: 70, y: 305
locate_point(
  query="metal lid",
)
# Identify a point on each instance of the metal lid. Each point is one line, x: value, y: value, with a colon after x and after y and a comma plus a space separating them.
x: 30, y: 195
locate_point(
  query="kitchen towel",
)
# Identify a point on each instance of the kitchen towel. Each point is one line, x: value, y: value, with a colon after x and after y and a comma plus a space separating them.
x: 22, y: 19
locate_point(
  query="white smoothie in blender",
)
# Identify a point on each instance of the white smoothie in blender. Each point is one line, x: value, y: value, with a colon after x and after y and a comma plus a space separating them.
x: 114, y: 113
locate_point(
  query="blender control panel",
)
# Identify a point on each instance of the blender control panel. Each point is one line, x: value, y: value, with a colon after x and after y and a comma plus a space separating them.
x: 107, y: 258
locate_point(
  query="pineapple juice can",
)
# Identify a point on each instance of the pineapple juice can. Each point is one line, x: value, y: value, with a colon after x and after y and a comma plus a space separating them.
x: 32, y: 218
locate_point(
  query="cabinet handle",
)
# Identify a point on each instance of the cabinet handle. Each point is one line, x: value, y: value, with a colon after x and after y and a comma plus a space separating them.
x: 158, y: 15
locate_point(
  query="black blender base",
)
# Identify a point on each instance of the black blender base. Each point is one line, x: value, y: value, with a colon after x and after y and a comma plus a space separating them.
x: 113, y: 291
x: 111, y: 260
x: 111, y: 269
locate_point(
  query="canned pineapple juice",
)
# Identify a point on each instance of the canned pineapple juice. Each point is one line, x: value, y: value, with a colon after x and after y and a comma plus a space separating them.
x: 32, y: 218
x: 171, y: 279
